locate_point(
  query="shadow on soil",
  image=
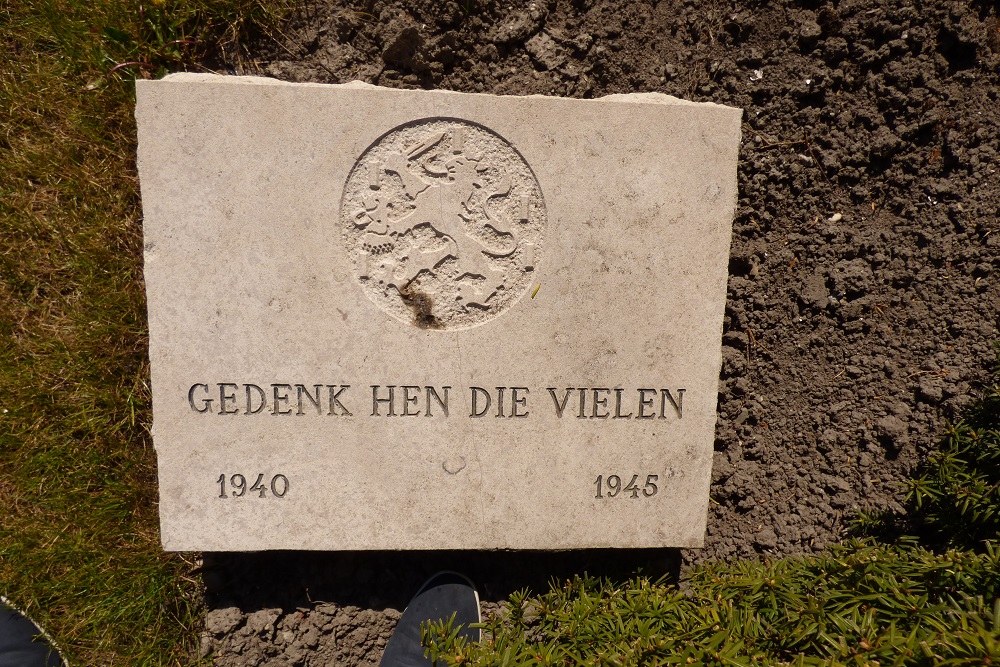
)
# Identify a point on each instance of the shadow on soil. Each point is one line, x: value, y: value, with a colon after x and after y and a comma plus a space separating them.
x: 381, y: 579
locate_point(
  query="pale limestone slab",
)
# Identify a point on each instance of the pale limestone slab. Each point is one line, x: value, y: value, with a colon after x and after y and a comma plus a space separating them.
x: 302, y: 237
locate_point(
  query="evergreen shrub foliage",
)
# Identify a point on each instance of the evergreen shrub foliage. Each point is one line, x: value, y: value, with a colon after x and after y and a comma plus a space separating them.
x: 932, y: 598
x: 857, y: 604
x: 956, y: 496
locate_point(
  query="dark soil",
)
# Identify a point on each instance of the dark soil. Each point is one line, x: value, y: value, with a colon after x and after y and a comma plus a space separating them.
x: 863, y: 294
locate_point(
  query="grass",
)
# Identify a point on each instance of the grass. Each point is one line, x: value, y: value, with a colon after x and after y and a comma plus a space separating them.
x: 927, y: 593
x: 855, y: 604
x: 79, y: 547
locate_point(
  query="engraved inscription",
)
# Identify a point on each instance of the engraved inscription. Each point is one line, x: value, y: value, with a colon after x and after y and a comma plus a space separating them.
x: 409, y: 400
x: 604, y: 403
x: 444, y: 221
x: 230, y: 398
x: 614, y: 485
x: 412, y: 400
x: 278, y: 486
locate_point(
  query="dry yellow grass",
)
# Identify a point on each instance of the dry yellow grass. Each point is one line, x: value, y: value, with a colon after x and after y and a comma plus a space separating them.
x: 79, y: 547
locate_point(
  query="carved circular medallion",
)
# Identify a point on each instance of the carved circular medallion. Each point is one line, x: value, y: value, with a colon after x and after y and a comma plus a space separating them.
x: 444, y: 221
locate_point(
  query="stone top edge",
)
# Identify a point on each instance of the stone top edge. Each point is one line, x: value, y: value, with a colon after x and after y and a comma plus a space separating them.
x: 631, y: 98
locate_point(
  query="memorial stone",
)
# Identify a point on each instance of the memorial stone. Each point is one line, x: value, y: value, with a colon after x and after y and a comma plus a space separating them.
x: 399, y: 319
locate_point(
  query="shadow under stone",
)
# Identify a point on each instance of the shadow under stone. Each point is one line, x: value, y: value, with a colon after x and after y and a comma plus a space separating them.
x: 388, y: 579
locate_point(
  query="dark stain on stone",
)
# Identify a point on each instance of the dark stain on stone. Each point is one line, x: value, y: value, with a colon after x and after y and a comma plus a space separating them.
x: 422, y: 306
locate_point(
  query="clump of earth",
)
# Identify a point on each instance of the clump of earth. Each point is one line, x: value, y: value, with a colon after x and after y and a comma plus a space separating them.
x: 864, y: 286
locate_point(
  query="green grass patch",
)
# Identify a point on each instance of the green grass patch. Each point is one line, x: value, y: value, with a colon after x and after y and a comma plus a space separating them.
x: 930, y: 598
x: 856, y: 604
x: 956, y: 496
x: 79, y: 548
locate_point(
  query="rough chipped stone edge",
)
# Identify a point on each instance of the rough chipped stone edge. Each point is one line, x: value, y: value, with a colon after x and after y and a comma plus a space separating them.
x: 633, y: 98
